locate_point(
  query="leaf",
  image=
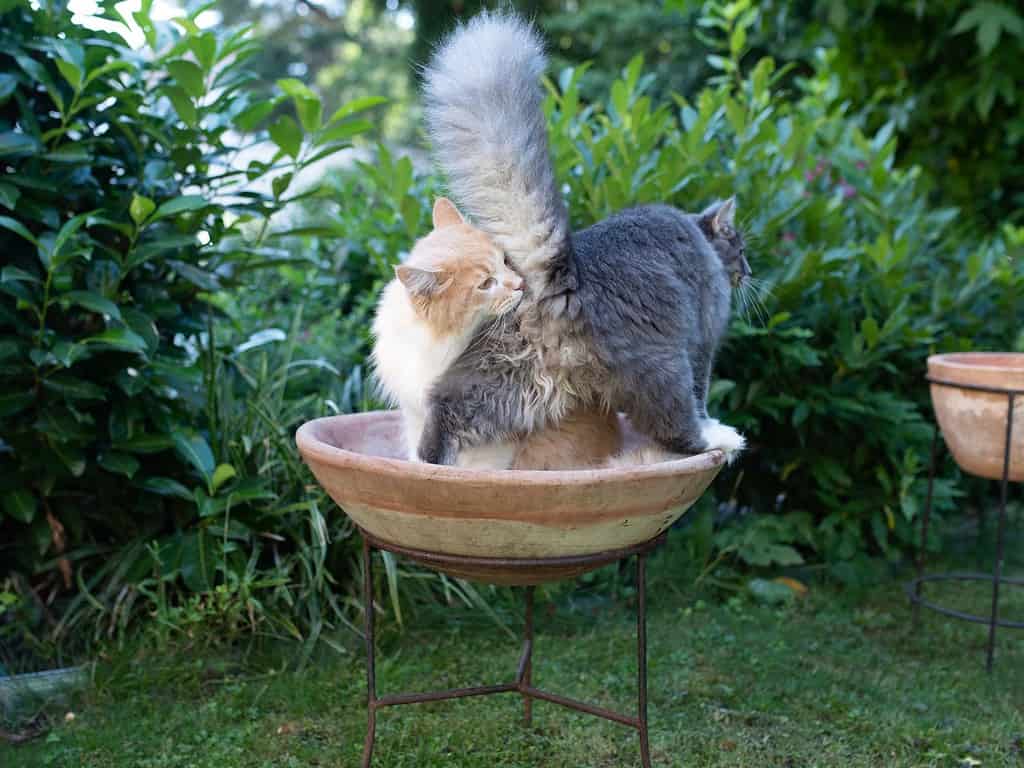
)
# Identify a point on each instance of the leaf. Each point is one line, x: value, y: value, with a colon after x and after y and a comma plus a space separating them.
x: 94, y: 302
x: 145, y: 444
x: 18, y: 228
x: 15, y: 402
x: 221, y: 475
x: 189, y: 76
x: 140, y: 208
x: 287, y: 135
x: 67, y: 231
x: 20, y: 504
x: 206, y: 281
x: 17, y: 275
x: 990, y: 19
x: 196, y: 451
x: 9, y: 195
x: 8, y: 83
x: 253, y: 115
x: 120, y: 339
x: 183, y: 104
x: 71, y: 73
x: 310, y: 112
x: 343, y: 131
x: 183, y: 204
x: 165, y: 486
x: 17, y: 143
x: 204, y: 46
x: 296, y: 88
x: 120, y: 463
x: 74, y: 388
x: 355, y: 106
x: 71, y: 455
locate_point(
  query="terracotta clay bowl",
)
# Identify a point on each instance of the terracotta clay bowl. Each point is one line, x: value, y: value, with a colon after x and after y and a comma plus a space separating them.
x: 495, y: 514
x: 973, y: 423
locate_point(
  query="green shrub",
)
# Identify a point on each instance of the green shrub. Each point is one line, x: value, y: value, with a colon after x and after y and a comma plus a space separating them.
x: 142, y: 453
x: 861, y: 280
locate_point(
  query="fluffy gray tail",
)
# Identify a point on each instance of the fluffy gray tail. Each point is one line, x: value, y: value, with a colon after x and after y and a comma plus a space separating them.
x: 483, y: 102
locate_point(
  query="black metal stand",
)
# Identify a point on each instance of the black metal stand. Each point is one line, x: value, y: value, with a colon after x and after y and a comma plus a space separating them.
x: 523, y: 684
x: 996, y: 578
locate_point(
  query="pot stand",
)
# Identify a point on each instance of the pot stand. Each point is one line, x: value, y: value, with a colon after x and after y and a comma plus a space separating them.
x: 996, y: 578
x: 523, y: 685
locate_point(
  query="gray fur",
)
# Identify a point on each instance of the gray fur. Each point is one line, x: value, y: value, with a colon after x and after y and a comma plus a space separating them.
x: 627, y: 314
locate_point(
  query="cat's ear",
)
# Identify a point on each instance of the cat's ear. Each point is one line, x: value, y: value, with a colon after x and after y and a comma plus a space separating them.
x: 418, y: 281
x: 724, y: 216
x: 446, y: 214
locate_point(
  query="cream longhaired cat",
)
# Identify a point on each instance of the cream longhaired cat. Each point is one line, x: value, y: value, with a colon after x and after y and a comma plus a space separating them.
x: 455, y: 280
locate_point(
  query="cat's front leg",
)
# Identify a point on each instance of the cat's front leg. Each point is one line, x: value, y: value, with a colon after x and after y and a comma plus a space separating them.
x: 439, y: 442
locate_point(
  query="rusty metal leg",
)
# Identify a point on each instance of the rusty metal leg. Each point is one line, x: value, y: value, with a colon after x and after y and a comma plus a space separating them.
x: 924, y: 528
x: 641, y: 642
x: 526, y: 663
x: 997, y: 571
x: 371, y: 677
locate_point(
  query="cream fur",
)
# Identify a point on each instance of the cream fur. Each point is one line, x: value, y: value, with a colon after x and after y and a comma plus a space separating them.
x: 408, y: 357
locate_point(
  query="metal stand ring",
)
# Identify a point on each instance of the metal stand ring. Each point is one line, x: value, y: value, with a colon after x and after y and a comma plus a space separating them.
x: 912, y: 588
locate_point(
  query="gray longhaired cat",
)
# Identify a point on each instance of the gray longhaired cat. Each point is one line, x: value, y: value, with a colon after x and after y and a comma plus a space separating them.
x: 626, y: 314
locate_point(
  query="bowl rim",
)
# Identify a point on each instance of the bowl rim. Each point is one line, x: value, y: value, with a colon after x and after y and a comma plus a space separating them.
x: 311, y: 447
x: 975, y: 361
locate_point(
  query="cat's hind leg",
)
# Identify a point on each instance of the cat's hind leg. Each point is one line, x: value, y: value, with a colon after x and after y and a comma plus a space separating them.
x: 665, y: 407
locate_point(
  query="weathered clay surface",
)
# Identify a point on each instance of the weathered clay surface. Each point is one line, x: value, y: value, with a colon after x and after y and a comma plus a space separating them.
x: 501, y: 514
x: 973, y: 423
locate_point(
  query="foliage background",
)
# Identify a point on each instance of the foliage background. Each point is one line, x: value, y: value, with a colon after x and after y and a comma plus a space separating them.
x: 193, y: 250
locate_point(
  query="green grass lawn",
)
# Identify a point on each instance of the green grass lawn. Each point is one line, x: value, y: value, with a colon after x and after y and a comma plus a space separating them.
x: 832, y: 680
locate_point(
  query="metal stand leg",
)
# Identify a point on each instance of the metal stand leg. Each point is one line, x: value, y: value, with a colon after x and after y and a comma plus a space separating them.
x: 523, y: 684
x: 641, y: 641
x: 925, y: 519
x: 371, y: 678
x: 997, y: 571
x: 526, y: 662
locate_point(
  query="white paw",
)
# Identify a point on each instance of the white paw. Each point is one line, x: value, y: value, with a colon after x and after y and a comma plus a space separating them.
x: 723, y: 437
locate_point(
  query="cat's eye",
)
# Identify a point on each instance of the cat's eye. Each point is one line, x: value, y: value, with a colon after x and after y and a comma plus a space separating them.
x: 487, y: 284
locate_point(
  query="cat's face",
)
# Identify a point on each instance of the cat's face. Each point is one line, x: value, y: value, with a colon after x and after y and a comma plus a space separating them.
x: 456, y: 277
x: 718, y: 224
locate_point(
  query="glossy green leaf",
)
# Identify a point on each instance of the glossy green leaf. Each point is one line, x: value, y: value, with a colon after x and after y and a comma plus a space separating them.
x: 165, y: 486
x: 145, y: 444
x: 119, y: 463
x: 183, y: 204
x: 189, y: 76
x: 94, y: 302
x: 74, y: 388
x: 183, y: 104
x: 18, y: 228
x: 120, y: 339
x: 140, y: 208
x: 8, y: 83
x: 17, y: 275
x: 355, y: 106
x: 221, y: 475
x: 343, y: 131
x: 253, y: 115
x: 9, y: 195
x: 17, y: 144
x: 287, y: 135
x: 196, y: 451
x: 20, y: 505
